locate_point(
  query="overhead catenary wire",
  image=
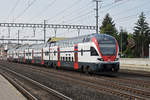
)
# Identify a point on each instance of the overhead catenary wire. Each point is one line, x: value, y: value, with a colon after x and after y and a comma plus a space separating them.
x: 133, y: 15
x: 32, y: 2
x: 114, y: 5
x: 84, y: 14
x: 130, y: 9
x: 81, y: 9
x: 81, y: 16
x: 78, y: 10
x: 87, y: 13
x: 44, y: 10
x: 61, y: 12
x: 13, y: 8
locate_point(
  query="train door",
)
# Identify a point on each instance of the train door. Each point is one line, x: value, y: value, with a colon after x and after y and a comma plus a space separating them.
x: 76, y: 57
x: 28, y: 54
x: 42, y: 56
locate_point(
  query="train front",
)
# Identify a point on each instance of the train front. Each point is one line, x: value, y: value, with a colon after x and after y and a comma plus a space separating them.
x: 108, y: 49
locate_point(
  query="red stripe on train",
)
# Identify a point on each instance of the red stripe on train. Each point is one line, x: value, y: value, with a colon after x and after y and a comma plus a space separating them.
x: 58, y: 55
x: 112, y: 58
x: 42, y: 61
x: 106, y: 58
x: 97, y: 46
x: 116, y: 48
x: 76, y: 57
x: 32, y: 57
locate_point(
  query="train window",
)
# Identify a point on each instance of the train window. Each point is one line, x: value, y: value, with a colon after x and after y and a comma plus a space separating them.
x: 72, y: 59
x: 86, y: 39
x: 46, y: 53
x: 54, y: 53
x: 93, y: 51
x: 81, y: 52
x: 64, y: 58
x: 69, y: 58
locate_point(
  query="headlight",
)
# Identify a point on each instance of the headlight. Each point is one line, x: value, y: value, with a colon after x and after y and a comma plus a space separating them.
x: 101, y: 59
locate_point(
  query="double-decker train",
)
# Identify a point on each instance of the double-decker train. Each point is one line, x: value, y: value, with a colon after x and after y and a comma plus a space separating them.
x: 89, y: 53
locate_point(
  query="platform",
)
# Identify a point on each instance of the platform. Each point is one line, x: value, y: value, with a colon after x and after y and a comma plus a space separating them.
x: 139, y: 64
x: 8, y: 91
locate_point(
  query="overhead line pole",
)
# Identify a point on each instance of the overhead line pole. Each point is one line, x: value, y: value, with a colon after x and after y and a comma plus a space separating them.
x: 18, y: 36
x: 97, y: 8
x: 44, y: 31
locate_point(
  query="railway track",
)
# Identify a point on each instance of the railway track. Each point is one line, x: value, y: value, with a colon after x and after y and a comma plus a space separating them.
x: 106, y: 86
x: 38, y: 91
x: 15, y: 83
x: 99, y: 85
x: 129, y: 82
x: 120, y: 81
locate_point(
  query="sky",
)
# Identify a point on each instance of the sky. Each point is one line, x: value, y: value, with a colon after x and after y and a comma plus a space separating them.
x: 75, y: 12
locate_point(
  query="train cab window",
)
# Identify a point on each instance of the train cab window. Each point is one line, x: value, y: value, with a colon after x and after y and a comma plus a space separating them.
x: 81, y: 52
x: 93, y: 51
x: 72, y: 59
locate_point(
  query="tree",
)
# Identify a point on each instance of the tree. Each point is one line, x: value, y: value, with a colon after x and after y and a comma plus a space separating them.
x: 129, y: 52
x: 141, y: 35
x: 123, y: 40
x: 108, y: 26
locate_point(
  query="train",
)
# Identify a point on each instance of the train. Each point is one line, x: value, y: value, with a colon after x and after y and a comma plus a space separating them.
x: 89, y: 54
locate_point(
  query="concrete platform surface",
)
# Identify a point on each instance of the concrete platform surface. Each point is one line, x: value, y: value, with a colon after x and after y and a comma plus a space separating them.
x: 140, y: 64
x: 8, y: 91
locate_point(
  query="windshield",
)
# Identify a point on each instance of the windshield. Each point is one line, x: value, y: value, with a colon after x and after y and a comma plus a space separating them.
x: 107, y: 47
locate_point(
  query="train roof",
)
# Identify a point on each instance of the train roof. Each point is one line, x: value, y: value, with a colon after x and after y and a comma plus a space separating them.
x: 67, y: 41
x: 86, y: 38
x: 37, y: 45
